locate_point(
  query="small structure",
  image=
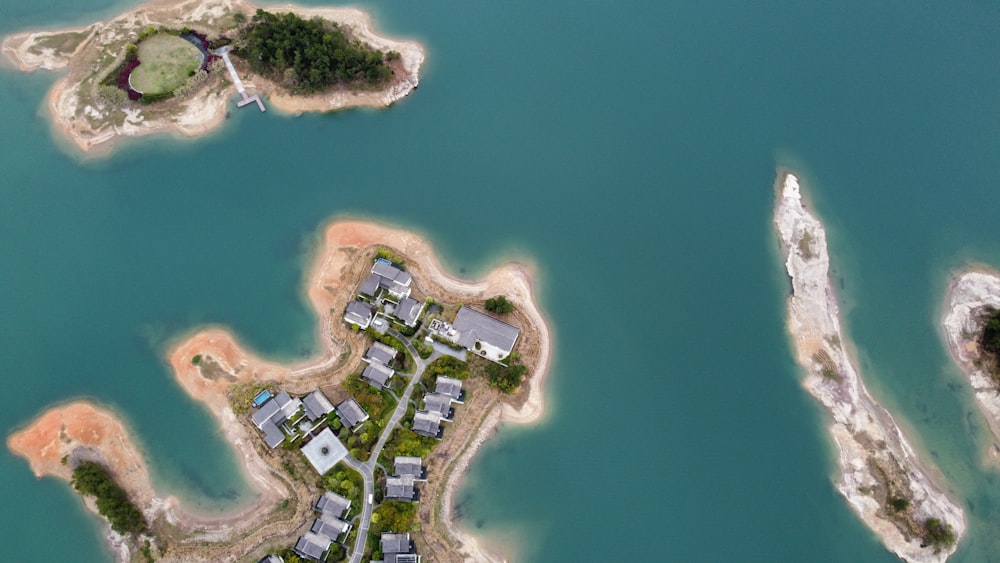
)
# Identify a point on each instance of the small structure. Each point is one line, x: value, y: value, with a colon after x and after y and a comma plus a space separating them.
x: 408, y: 311
x: 312, y: 545
x: 427, y: 424
x: 351, y: 413
x: 438, y: 404
x: 333, y: 504
x: 379, y: 353
x: 397, y: 548
x: 484, y: 335
x: 377, y: 375
x: 324, y: 451
x: 271, y: 559
x: 316, y: 405
x: 451, y: 387
x: 359, y: 313
x: 386, y: 276
x: 329, y: 526
x: 412, y: 466
x: 272, y: 414
x: 400, y: 488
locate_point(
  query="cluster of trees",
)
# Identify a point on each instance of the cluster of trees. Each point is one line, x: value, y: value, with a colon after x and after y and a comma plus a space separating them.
x: 308, y: 55
x: 391, y: 516
x: 505, y: 378
x: 989, y: 340
x: 938, y: 535
x: 499, y: 304
x: 346, y: 482
x: 406, y: 442
x: 93, y: 479
x: 446, y: 366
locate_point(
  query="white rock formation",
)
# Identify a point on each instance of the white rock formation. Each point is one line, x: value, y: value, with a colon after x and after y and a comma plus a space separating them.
x: 875, y: 460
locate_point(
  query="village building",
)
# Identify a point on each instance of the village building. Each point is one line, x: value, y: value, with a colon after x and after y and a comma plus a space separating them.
x: 388, y: 277
x: 333, y: 504
x: 351, y: 413
x: 427, y: 424
x: 412, y: 466
x: 329, y: 526
x: 324, y: 451
x: 484, y: 335
x: 408, y: 311
x: 359, y: 313
x: 397, y: 548
x: 316, y: 405
x: 451, y: 387
x: 439, y: 404
x: 271, y: 559
x: 400, y: 488
x: 272, y: 414
x: 312, y: 545
x: 379, y: 353
x: 377, y: 375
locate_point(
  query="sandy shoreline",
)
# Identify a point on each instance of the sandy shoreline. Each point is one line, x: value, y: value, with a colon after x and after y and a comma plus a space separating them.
x: 970, y: 291
x: 81, y: 426
x: 874, y: 458
x: 80, y: 117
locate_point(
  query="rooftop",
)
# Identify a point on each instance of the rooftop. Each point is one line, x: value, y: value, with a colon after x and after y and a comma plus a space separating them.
x: 272, y: 434
x: 438, y: 403
x: 329, y: 526
x: 333, y: 504
x: 399, y: 488
x: 408, y: 311
x: 409, y: 466
x: 379, y: 353
x: 324, y: 451
x: 474, y: 327
x: 377, y: 374
x: 317, y: 405
x: 449, y: 386
x: 395, y: 543
x: 427, y: 423
x: 351, y: 413
x: 312, y: 545
x: 359, y: 313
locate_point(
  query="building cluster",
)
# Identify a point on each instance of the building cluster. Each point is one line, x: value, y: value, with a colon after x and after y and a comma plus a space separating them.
x: 378, y: 357
x: 326, y: 528
x: 438, y: 407
x: 401, y: 486
x: 384, y: 293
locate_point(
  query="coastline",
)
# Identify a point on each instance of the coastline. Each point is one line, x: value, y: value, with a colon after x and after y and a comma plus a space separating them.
x: 335, y: 266
x: 876, y: 463
x: 970, y: 290
x: 202, y: 113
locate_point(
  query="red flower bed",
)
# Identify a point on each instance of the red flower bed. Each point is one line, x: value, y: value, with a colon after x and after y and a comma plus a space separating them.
x: 123, y: 80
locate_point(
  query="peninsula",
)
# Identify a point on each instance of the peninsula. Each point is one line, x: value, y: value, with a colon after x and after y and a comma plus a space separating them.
x: 170, y: 66
x: 973, y: 301
x: 355, y: 453
x: 880, y: 474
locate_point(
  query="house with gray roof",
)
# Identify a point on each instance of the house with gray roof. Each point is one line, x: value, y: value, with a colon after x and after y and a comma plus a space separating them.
x: 333, y: 504
x: 351, y: 413
x: 316, y: 405
x: 359, y: 313
x: 272, y: 414
x: 438, y: 404
x: 408, y: 311
x: 324, y: 451
x: 451, y: 387
x: 271, y: 559
x: 400, y: 488
x: 396, y: 543
x: 401, y: 558
x: 412, y: 466
x: 427, y: 424
x: 484, y: 335
x: 379, y: 353
x: 312, y: 545
x: 329, y: 526
x: 388, y: 277
x: 377, y: 375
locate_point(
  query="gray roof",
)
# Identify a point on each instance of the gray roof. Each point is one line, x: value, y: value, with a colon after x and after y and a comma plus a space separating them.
x: 474, y: 326
x: 427, y: 423
x: 333, y: 504
x: 369, y: 287
x: 329, y: 526
x: 317, y: 405
x: 359, y: 313
x: 401, y: 558
x: 324, y: 451
x: 377, y: 374
x: 351, y: 413
x: 271, y: 559
x: 449, y: 386
x: 409, y: 466
x: 408, y: 310
x: 265, y: 412
x: 272, y: 434
x: 277, y: 409
x: 437, y: 403
x: 312, y: 545
x: 399, y: 487
x: 391, y: 278
x: 395, y: 543
x: 379, y: 353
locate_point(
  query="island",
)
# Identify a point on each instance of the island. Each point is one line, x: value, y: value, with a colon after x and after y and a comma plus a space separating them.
x: 880, y: 474
x: 971, y: 323
x: 356, y: 453
x: 173, y: 66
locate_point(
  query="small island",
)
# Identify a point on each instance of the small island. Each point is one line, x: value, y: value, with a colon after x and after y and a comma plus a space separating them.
x: 173, y: 67
x: 356, y: 454
x: 880, y: 474
x: 971, y: 323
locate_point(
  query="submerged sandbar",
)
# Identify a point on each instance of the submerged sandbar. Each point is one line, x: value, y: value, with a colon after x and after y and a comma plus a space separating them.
x: 284, y: 502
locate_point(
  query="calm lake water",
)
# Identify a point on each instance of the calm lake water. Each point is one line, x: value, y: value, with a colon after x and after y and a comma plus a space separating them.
x: 629, y: 150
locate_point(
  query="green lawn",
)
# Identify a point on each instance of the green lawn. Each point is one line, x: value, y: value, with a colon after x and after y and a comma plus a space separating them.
x: 166, y: 62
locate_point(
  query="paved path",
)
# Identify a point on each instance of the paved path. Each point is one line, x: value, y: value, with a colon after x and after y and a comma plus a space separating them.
x: 367, y: 469
x: 224, y: 53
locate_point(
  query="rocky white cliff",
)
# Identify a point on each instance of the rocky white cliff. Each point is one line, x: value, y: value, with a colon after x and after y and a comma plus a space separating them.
x: 879, y: 472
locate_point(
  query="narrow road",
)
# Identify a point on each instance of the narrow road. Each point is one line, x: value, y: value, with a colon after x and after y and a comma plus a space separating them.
x: 367, y: 469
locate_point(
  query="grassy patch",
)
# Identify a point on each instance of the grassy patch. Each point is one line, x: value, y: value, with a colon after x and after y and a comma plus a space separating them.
x: 406, y: 442
x: 447, y: 366
x: 167, y: 62
x: 60, y: 43
x: 391, y: 516
x: 827, y: 368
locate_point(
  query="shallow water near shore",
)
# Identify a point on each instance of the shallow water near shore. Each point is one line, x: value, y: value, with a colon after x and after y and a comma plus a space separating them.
x: 627, y: 149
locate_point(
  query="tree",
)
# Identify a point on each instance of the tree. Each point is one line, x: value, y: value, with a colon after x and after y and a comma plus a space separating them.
x: 499, y: 304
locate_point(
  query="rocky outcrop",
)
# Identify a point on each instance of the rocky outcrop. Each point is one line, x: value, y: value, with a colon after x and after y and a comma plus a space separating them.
x: 880, y: 474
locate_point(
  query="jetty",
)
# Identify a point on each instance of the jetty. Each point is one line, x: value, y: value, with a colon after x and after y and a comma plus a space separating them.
x: 224, y: 53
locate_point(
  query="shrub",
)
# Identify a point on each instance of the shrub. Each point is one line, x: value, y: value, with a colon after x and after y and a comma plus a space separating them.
x: 499, y: 304
x: 93, y: 479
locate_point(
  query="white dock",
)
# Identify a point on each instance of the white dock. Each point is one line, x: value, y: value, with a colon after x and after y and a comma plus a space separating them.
x: 224, y: 53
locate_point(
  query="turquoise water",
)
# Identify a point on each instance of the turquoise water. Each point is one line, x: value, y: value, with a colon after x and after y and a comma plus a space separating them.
x: 628, y: 149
